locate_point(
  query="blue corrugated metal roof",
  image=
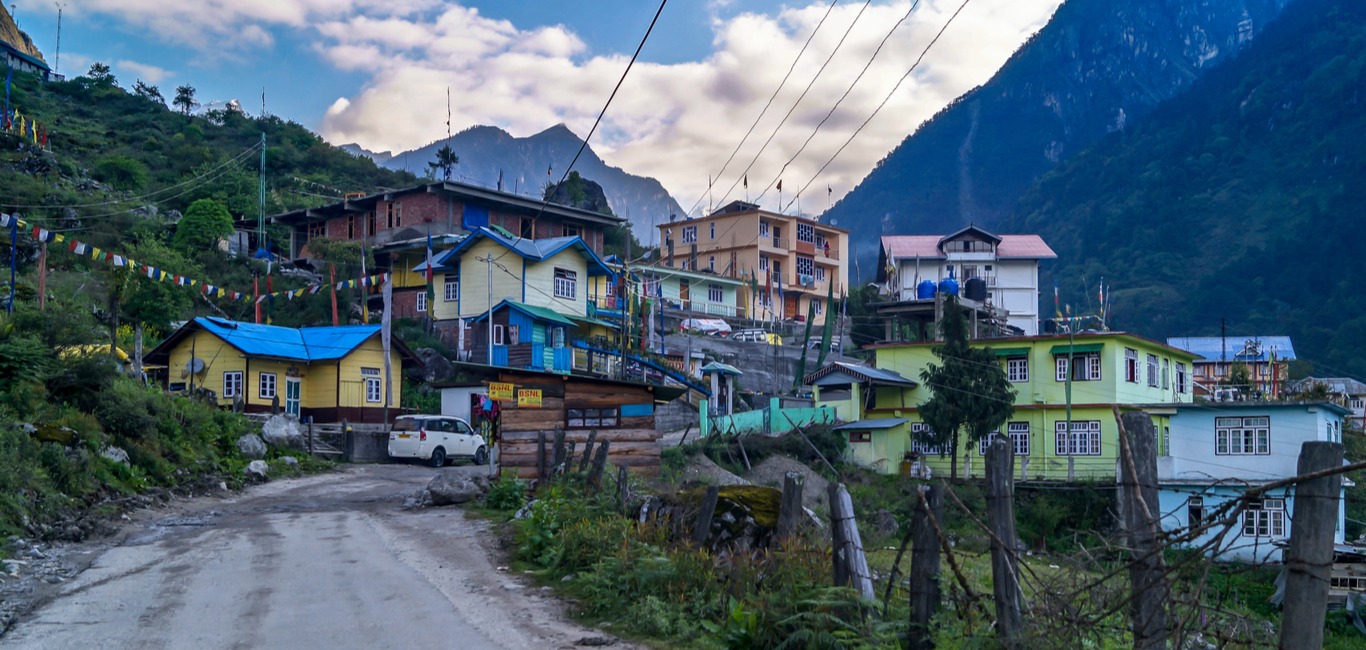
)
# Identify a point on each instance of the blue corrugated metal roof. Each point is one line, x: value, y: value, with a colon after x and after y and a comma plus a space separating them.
x: 303, y: 344
x: 1236, y: 348
x: 532, y: 249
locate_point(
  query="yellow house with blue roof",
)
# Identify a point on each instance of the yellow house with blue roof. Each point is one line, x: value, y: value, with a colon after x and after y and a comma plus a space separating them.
x: 327, y: 373
x: 1063, y: 426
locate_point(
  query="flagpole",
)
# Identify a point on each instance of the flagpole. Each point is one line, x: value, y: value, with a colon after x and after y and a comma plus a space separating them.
x: 13, y: 251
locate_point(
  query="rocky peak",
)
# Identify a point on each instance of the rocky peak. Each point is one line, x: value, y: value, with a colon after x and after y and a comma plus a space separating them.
x: 15, y: 37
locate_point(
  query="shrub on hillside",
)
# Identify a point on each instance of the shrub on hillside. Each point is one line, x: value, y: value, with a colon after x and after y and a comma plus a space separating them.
x: 205, y: 222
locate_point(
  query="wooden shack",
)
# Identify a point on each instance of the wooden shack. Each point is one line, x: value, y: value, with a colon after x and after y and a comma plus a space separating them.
x: 534, y: 402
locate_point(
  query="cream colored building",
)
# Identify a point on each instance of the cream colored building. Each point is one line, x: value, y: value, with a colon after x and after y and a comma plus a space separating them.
x: 791, y: 261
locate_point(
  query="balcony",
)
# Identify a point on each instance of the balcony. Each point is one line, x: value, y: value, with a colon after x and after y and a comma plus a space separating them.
x: 780, y: 243
x: 705, y: 307
x: 831, y: 254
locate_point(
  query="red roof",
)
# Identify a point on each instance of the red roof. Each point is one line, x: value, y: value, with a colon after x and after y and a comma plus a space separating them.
x: 927, y: 247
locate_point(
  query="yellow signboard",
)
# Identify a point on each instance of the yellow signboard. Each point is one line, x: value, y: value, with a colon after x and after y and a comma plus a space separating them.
x: 501, y: 392
x: 529, y: 398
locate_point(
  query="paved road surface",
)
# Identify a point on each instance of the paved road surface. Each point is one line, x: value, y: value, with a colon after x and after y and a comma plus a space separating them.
x: 321, y: 562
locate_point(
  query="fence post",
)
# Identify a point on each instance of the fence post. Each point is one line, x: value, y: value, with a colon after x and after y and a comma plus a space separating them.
x: 1309, y: 560
x: 1005, y: 578
x: 704, y: 515
x: 310, y: 435
x: 348, y: 441
x: 924, y: 574
x: 623, y: 489
x: 595, y: 476
x: 541, y: 464
x: 559, y: 449
x: 569, y: 457
x: 1139, y: 507
x: 588, y: 451
x: 848, y: 551
x: 790, y: 508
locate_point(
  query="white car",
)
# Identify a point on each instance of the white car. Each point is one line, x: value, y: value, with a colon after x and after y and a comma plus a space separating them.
x: 436, y: 439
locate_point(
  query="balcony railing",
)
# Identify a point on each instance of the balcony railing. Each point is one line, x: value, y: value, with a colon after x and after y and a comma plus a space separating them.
x: 830, y: 254
x: 780, y: 243
x: 705, y: 307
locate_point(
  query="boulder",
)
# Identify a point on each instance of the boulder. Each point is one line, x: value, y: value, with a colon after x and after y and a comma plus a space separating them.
x: 290, y: 462
x: 115, y: 454
x: 256, y: 469
x: 435, y: 366
x: 452, y: 488
x: 251, y: 446
x: 283, y: 431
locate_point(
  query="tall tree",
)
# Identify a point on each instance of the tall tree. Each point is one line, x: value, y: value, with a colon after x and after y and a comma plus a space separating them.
x: 149, y: 91
x: 184, y: 99
x: 100, y: 74
x: 445, y: 162
x: 970, y: 390
x: 205, y: 222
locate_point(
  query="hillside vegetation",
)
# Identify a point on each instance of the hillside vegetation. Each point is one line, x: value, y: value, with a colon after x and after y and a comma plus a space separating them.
x: 1240, y: 200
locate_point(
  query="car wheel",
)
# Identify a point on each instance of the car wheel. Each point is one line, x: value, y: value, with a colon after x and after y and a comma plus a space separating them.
x: 438, y: 457
x: 481, y: 457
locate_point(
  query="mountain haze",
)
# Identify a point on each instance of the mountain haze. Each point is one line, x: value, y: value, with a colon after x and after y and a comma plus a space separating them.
x: 1097, y: 66
x: 486, y: 150
x: 1239, y: 200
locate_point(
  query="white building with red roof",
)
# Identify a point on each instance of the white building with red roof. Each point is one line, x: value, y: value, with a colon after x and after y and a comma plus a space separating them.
x: 1008, y: 266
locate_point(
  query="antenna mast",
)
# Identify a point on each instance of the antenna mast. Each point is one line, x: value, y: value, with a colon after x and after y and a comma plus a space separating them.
x: 57, y: 58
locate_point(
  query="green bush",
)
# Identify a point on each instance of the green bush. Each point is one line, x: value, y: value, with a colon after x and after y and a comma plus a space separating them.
x: 507, y: 493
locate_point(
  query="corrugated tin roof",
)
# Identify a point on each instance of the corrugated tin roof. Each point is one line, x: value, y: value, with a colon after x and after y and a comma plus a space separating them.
x: 859, y: 373
x: 304, y: 344
x: 1236, y: 348
x: 927, y: 247
x: 868, y: 425
x: 1341, y: 385
x: 531, y: 310
x: 532, y: 249
x: 723, y: 368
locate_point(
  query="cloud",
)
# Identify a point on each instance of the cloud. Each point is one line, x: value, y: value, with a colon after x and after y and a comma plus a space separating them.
x: 148, y: 73
x: 680, y: 122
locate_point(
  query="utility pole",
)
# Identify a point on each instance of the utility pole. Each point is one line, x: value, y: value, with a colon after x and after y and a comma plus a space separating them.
x: 57, y: 58
x: 261, y: 193
x: 488, y: 262
x: 1071, y: 444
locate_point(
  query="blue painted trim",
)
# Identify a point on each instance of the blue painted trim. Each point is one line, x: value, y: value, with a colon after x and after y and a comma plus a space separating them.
x: 523, y: 280
x: 637, y: 410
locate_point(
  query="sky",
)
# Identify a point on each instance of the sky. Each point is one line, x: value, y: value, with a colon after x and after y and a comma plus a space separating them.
x: 378, y: 72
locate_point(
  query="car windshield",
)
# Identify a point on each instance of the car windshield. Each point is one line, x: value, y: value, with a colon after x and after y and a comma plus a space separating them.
x: 407, y: 424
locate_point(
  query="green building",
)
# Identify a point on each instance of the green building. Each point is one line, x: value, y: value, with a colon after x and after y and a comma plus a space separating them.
x: 1105, y: 369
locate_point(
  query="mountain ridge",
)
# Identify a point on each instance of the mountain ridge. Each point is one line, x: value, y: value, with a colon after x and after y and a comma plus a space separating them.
x: 526, y: 165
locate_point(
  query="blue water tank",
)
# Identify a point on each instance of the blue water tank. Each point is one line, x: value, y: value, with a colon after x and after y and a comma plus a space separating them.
x: 948, y: 286
x: 925, y: 290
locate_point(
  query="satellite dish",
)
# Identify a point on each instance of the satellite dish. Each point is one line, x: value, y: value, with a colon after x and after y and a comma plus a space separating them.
x: 194, y: 366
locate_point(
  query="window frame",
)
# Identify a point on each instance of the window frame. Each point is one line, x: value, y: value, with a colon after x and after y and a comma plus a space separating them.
x: 1166, y: 373
x: 715, y: 293
x: 1264, y: 518
x: 1131, y: 365
x: 1017, y: 369
x: 232, y: 388
x: 1182, y: 378
x: 261, y: 385
x: 809, y: 263
x: 450, y: 288
x: 1066, y: 443
x: 1195, y: 511
x: 579, y: 417
x: 1151, y: 368
x: 1091, y: 367
x: 498, y: 335
x: 806, y: 233
x: 1019, y: 439
x: 420, y: 301
x: 566, y: 284
x: 690, y: 234
x: 711, y: 230
x: 371, y: 377
x: 923, y: 448
x: 1242, y: 436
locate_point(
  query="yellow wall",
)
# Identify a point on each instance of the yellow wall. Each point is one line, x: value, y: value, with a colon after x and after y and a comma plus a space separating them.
x: 318, y: 385
x: 540, y: 279
x: 475, y: 280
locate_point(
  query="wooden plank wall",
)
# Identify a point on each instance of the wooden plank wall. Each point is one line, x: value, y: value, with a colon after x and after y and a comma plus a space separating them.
x: 635, y: 441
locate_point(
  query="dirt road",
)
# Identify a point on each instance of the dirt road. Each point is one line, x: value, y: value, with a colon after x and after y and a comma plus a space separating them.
x: 327, y: 561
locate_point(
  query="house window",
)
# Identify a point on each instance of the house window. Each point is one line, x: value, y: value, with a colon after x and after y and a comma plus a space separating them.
x: 860, y: 436
x: 1242, y: 436
x: 1084, y: 439
x: 232, y: 384
x: 514, y: 334
x: 498, y: 335
x: 351, y: 227
x: 1195, y: 511
x: 1017, y: 369
x: 526, y: 229
x: 805, y: 266
x: 557, y: 337
x: 763, y: 263
x: 712, y: 227
x: 566, y: 284
x: 714, y: 293
x: 452, y: 287
x: 690, y: 234
x: 1166, y: 373
x: 816, y: 306
x: 1019, y: 439
x: 1358, y: 404
x: 969, y: 271
x: 763, y: 228
x: 266, y: 384
x: 372, y: 386
x: 576, y: 418
x: 393, y: 214
x: 1131, y: 365
x: 317, y: 229
x: 821, y: 241
x: 1166, y: 441
x: 806, y: 233
x: 422, y: 301
x: 1264, y: 518
x: 369, y: 223
x: 918, y: 431
x: 570, y: 231
x: 1152, y: 370
x: 1087, y: 367
x: 711, y: 262
x: 1182, y: 379
x: 683, y: 265
x: 820, y: 274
